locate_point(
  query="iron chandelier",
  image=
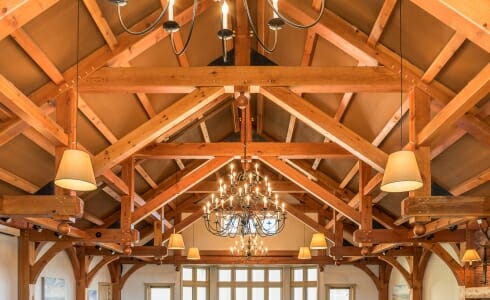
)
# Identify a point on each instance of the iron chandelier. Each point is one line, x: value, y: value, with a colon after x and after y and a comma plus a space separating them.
x: 226, y: 31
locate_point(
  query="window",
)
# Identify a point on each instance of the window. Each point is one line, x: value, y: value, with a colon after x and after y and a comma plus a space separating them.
x: 195, y: 283
x: 157, y: 291
x: 304, y: 283
x: 249, y: 283
x: 340, y: 292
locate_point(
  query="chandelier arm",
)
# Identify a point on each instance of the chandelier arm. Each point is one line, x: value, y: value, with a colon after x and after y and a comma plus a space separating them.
x: 296, y: 25
x: 254, y: 30
x: 147, y: 29
x: 225, y: 50
x: 188, y: 39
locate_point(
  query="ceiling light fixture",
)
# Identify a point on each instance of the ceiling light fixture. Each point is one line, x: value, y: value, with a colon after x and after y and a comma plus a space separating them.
x: 176, y: 242
x: 318, y: 241
x: 244, y: 204
x: 248, y: 246
x: 226, y: 32
x: 402, y: 172
x: 304, y: 251
x: 193, y: 253
x: 75, y: 168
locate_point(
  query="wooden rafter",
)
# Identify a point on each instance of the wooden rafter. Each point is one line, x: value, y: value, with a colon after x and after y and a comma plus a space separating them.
x: 183, y: 80
x: 38, y: 55
x: 19, y: 13
x: 254, y: 149
x: 154, y: 128
x: 313, y: 188
x: 468, y: 18
x: 336, y: 30
x: 327, y: 126
x: 101, y: 23
x: 473, y: 92
x: 381, y: 21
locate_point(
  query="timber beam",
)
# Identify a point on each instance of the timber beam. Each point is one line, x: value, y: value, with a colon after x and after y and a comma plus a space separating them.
x: 50, y: 206
x: 446, y: 207
x: 137, y: 251
x: 184, y: 80
x: 92, y: 235
x: 211, y: 150
x: 356, y: 252
x: 378, y: 236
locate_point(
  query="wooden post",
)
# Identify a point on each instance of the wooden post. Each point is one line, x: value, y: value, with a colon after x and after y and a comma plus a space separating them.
x: 127, y: 201
x: 419, y: 113
x: 24, y: 260
x: 417, y: 275
x: 366, y: 207
x: 384, y: 280
x: 66, y: 113
x: 81, y: 277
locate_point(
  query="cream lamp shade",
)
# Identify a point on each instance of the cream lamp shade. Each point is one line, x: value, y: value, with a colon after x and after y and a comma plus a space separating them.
x: 75, y: 171
x: 176, y: 242
x: 304, y: 253
x: 193, y: 254
x: 470, y: 255
x: 402, y: 173
x: 318, y: 241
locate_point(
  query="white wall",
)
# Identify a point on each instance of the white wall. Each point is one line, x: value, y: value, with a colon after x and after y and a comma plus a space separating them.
x: 439, y: 281
x: 291, y: 238
x: 349, y: 275
x: 135, y: 285
x: 8, y: 267
x: 101, y: 276
x: 396, y: 278
x: 58, y: 267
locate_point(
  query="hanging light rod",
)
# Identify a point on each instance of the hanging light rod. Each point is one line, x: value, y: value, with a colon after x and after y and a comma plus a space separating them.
x: 226, y: 32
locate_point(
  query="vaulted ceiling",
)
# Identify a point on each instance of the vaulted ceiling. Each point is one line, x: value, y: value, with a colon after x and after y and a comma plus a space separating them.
x: 340, y: 104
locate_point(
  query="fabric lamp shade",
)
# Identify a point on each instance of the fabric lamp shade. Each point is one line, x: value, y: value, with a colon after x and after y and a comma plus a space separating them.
x: 402, y: 173
x: 318, y: 241
x: 193, y: 254
x: 176, y: 242
x: 304, y: 253
x: 75, y: 171
x: 471, y: 255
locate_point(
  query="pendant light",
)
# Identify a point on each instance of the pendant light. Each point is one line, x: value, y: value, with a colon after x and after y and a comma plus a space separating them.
x: 304, y: 252
x: 193, y: 253
x: 176, y: 242
x: 318, y: 241
x: 402, y: 172
x: 75, y: 170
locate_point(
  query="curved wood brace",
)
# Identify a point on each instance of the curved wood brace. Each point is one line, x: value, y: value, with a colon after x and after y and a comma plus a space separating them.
x: 395, y: 264
x: 128, y: 273
x: 104, y: 262
x: 453, y: 265
x: 39, y: 265
x: 370, y: 273
x: 75, y: 264
x: 424, y: 260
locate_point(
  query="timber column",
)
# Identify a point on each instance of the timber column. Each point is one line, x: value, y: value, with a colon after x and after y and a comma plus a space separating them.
x: 24, y: 265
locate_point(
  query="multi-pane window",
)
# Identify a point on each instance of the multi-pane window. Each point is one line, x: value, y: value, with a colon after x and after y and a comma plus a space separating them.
x: 304, y: 283
x: 249, y: 283
x: 195, y: 283
x: 155, y: 291
x: 340, y: 292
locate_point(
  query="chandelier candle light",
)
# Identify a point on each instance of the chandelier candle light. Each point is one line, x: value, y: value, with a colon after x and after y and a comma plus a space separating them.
x: 245, y: 205
x: 250, y: 246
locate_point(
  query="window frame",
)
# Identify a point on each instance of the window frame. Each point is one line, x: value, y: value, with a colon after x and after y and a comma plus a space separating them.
x: 194, y: 284
x: 305, y: 284
x: 249, y: 284
x: 149, y: 286
x: 351, y: 287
